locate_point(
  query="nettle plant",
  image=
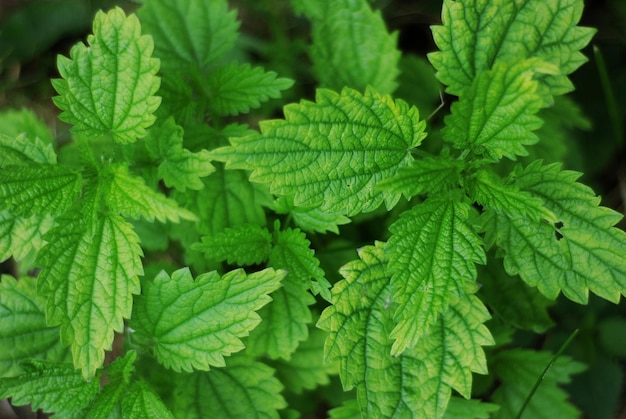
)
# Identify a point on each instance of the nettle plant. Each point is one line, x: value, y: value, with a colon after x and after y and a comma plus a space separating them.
x: 171, y: 234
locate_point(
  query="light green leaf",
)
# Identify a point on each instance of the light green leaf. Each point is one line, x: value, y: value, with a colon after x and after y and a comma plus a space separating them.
x: 352, y: 47
x: 348, y: 410
x: 292, y: 253
x: 581, y: 253
x: 140, y: 401
x: 179, y: 167
x: 54, y: 388
x: 427, y: 175
x: 330, y: 154
x: 195, y: 34
x: 518, y: 370
x: 432, y: 255
x: 108, y: 86
x: 22, y: 151
x: 38, y: 189
x: 310, y: 219
x: 244, y: 389
x: 23, y: 330
x: 284, y: 323
x: 25, y: 122
x: 496, y: 114
x: 89, y: 275
x: 19, y: 236
x: 236, y: 88
x: 476, y: 34
x: 129, y: 196
x: 195, y: 323
x: 246, y: 244
x: 459, y: 408
x: 418, y: 382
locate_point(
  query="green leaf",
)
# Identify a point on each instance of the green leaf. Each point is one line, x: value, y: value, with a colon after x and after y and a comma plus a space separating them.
x: 418, y: 382
x: 180, y: 314
x: 292, y: 253
x: 310, y: 219
x: 89, y: 275
x: 330, y: 154
x: 19, y: 236
x: 427, y: 175
x: 22, y: 151
x: 284, y: 323
x: 23, y: 330
x: 581, y: 253
x: 243, y: 389
x: 476, y: 34
x: 196, y: 33
x: 140, y: 401
x: 518, y: 370
x: 246, y: 244
x: 25, y: 122
x: 235, y: 88
x: 179, y: 167
x: 38, y: 189
x: 352, y: 47
x: 54, y: 388
x: 459, y: 408
x: 496, y: 115
x: 108, y: 86
x: 432, y: 255
x: 348, y: 410
x: 118, y: 376
x: 129, y: 196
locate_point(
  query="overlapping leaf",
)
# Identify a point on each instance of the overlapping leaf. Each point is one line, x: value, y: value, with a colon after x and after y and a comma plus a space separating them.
x: 310, y: 219
x: 331, y: 153
x: 432, y: 256
x: 89, y: 275
x: 108, y: 87
x: 581, y: 253
x: 195, y: 323
x: 352, y: 47
x: 246, y: 244
x: 478, y: 33
x: 417, y: 382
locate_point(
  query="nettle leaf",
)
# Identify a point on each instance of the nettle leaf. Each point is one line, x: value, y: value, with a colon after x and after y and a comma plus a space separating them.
x: 129, y: 196
x: 419, y: 381
x: 246, y: 244
x: 140, y: 401
x: 518, y: 370
x: 23, y: 330
x: 108, y: 87
x: 310, y: 219
x: 235, y: 88
x: 117, y: 379
x: 52, y: 387
x: 432, y: 255
x: 19, y: 236
x: 496, y: 115
x: 244, y: 389
x: 476, y: 34
x: 331, y: 153
x: 460, y: 408
x: 348, y: 410
x: 179, y: 167
x: 195, y: 323
x: 22, y: 151
x: 581, y: 252
x: 90, y: 271
x: 352, y: 47
x: 24, y: 122
x: 196, y: 33
x: 291, y: 251
x: 38, y: 189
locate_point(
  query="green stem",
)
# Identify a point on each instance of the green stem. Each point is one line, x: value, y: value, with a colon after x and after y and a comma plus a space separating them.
x: 545, y: 372
x: 611, y: 103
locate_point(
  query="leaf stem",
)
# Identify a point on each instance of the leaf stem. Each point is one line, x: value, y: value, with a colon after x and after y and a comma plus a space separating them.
x: 545, y: 372
x: 611, y: 103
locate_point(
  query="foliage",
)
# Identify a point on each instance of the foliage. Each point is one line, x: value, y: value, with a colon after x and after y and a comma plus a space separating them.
x: 172, y: 261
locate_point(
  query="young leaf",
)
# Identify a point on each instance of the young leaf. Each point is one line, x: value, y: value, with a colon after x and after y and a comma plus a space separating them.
x: 292, y: 253
x: 246, y: 244
x: 417, y: 382
x: 351, y: 47
x: 129, y: 196
x: 234, y: 88
x: 90, y: 270
x: 54, y: 388
x: 310, y: 219
x: 23, y: 330
x: 518, y: 369
x: 195, y: 323
x: 242, y: 390
x: 140, y: 401
x: 108, y: 86
x: 496, y: 114
x: 580, y: 255
x: 21, y: 235
x: 432, y: 256
x: 22, y: 151
x: 330, y: 154
x: 38, y: 189
x: 478, y: 33
x: 118, y: 376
